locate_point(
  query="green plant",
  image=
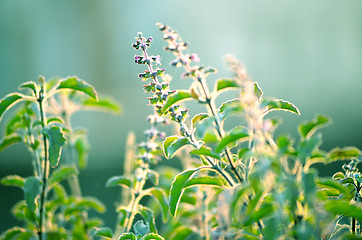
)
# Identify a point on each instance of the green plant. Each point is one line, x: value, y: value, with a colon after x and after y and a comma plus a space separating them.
x: 238, y: 180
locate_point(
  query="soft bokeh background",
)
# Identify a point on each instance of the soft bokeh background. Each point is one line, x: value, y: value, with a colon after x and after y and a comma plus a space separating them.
x: 307, y: 52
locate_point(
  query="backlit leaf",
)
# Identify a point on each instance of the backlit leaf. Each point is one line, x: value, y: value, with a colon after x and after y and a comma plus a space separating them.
x: 224, y: 84
x: 30, y: 85
x: 308, y: 128
x: 61, y: 174
x: 141, y: 228
x: 13, y: 180
x: 177, y: 189
x: 119, y: 181
x: 345, y: 153
x: 148, y: 217
x: 82, y: 147
x: 236, y: 134
x: 205, y: 152
x: 102, y: 232
x: 32, y: 189
x: 10, y: 100
x: 74, y: 83
x: 199, y: 117
x: 152, y: 236
x: 160, y: 196
x: 172, y: 144
x: 279, y: 104
x: 127, y: 236
x: 9, y: 140
x: 204, y: 180
x: 339, y: 207
x: 258, y: 91
x: 105, y: 104
x: 56, y: 142
x: 178, y: 96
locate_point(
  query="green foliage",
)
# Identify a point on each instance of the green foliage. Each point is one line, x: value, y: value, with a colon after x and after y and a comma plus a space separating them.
x: 56, y: 142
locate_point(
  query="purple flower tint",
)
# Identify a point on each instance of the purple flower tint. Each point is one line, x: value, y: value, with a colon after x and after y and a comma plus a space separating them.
x: 157, y: 59
x: 194, y: 57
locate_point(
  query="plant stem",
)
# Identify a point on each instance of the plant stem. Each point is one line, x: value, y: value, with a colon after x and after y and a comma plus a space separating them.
x: 45, y: 170
x: 219, y: 128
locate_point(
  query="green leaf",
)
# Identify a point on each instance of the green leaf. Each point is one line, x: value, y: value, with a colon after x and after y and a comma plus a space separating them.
x: 91, y: 202
x: 307, y: 146
x: 106, y: 104
x: 181, y: 233
x: 279, y: 104
x: 199, y: 117
x: 61, y: 174
x: 149, y: 218
x: 224, y: 84
x: 332, y: 184
x: 127, y: 236
x: 339, y: 207
x: 177, y: 189
x: 160, y: 196
x: 82, y: 146
x: 204, y: 180
x: 258, y: 91
x: 56, y: 142
x: 338, y: 175
x: 262, y: 212
x: 178, y: 96
x: 18, y: 233
x: 30, y: 85
x: 55, y: 120
x: 152, y: 236
x: 9, y: 140
x: 102, y: 232
x: 205, y: 152
x: 74, y: 83
x: 119, y: 181
x: 236, y: 134
x: 141, y: 228
x: 345, y: 153
x: 10, y: 100
x: 172, y: 144
x: 231, y: 106
x: 13, y: 180
x: 32, y: 189
x: 308, y: 128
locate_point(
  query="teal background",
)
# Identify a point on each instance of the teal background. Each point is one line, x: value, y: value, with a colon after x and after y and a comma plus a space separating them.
x: 306, y: 52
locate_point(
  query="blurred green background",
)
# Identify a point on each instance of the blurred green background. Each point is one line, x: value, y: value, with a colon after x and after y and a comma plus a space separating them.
x: 306, y: 52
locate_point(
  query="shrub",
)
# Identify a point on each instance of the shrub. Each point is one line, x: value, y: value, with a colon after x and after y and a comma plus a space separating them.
x: 237, y: 182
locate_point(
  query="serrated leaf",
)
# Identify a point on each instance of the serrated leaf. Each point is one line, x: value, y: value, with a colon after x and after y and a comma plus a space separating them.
x: 224, y: 84
x: 205, y: 152
x: 141, y: 228
x: 56, y: 142
x: 198, y: 117
x: 148, y: 217
x: 127, y: 236
x: 204, y: 180
x: 236, y: 134
x: 339, y: 207
x: 9, y: 140
x: 178, y: 96
x: 13, y: 180
x: 345, y: 153
x: 9, y: 101
x: 102, y: 232
x: 119, y: 181
x: 308, y: 128
x: 172, y: 144
x: 74, y: 83
x: 177, y: 189
x: 32, y: 189
x: 106, y: 104
x: 279, y: 104
x: 61, y: 174
x: 230, y: 106
x: 152, y: 236
x: 30, y: 85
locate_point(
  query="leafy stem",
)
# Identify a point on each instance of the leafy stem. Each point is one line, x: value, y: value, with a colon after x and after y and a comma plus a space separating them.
x: 45, y: 161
